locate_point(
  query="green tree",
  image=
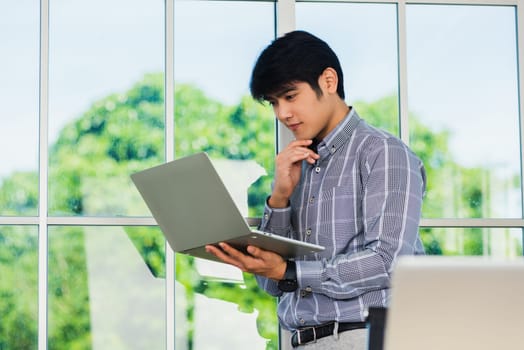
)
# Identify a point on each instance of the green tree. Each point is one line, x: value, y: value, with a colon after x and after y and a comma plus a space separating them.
x: 18, y: 287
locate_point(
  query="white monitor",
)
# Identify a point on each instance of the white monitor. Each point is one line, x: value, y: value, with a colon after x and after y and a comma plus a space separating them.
x: 456, y: 303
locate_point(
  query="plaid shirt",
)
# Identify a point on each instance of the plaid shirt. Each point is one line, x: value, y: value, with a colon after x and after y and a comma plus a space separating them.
x: 361, y: 200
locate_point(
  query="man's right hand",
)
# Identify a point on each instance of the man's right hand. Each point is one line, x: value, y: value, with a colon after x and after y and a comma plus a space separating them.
x: 258, y: 261
x: 288, y: 166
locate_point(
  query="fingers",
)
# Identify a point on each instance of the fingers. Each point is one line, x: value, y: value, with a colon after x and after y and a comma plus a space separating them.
x: 232, y: 252
x: 311, y: 157
x: 269, y: 264
x: 232, y: 256
x: 257, y: 252
x: 288, y: 167
x: 222, y: 254
x: 298, y: 150
x: 261, y: 262
x: 304, y: 143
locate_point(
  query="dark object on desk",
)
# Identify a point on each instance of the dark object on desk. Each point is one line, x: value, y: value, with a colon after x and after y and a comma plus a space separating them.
x: 376, y: 324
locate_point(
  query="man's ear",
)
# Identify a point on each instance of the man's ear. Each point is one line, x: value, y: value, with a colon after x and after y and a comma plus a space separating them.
x: 329, y: 80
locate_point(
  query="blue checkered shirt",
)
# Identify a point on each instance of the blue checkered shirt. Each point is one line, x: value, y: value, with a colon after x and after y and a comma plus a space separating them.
x: 361, y: 200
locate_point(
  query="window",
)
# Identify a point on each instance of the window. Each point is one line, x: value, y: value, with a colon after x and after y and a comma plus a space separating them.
x: 19, y: 37
x: 464, y: 118
x: 92, y: 91
x: 101, y: 121
x: 462, y: 87
x: 214, y: 113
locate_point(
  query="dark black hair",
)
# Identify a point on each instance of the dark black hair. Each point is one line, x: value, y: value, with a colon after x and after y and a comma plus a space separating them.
x: 297, y: 56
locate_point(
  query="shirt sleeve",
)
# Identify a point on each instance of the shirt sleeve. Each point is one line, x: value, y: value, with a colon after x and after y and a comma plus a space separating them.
x: 393, y: 186
x: 276, y: 221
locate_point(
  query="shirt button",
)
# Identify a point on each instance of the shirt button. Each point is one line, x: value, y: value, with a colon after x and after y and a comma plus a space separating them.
x: 317, y: 169
x: 302, y: 321
x: 311, y: 200
x: 305, y: 292
x: 308, y: 232
x: 266, y: 216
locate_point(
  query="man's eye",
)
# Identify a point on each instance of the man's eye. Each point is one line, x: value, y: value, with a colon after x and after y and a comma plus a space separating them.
x: 290, y: 97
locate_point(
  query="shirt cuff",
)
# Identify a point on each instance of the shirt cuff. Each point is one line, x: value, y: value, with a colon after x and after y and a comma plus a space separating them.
x: 276, y: 220
x: 270, y: 286
x: 309, y: 274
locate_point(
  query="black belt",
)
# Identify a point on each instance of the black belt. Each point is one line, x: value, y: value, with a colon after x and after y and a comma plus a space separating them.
x: 310, y: 334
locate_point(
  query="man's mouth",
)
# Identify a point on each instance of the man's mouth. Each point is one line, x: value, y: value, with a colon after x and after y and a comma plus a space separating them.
x: 294, y: 126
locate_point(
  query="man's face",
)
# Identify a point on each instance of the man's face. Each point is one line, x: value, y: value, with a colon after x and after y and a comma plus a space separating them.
x: 302, y: 111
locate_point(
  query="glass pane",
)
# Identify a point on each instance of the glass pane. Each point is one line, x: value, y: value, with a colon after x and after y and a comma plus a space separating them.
x: 105, y: 103
x: 494, y: 242
x: 19, y: 38
x: 364, y: 36
x: 463, y: 104
x: 19, y: 287
x: 106, y: 288
x: 214, y: 113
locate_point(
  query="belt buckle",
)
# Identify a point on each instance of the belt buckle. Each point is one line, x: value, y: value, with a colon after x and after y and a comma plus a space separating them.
x: 299, y: 332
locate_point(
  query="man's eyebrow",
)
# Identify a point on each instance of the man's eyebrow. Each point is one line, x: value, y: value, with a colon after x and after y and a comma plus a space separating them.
x: 281, y: 92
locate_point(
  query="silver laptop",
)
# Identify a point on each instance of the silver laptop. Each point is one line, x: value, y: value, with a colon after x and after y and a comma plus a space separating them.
x: 456, y: 303
x: 193, y: 208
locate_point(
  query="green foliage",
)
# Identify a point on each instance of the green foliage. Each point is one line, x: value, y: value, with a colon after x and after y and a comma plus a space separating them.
x: 382, y: 113
x: 19, y: 194
x: 68, y: 292
x: 431, y: 243
x: 150, y: 244
x: 118, y: 135
x: 18, y: 288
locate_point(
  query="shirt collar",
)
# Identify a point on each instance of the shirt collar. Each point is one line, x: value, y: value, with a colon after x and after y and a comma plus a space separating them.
x: 339, y: 135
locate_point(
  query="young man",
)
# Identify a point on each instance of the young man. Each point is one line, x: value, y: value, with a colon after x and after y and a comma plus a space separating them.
x: 342, y: 184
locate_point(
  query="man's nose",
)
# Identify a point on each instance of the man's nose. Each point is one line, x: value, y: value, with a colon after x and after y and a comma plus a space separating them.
x: 283, y: 112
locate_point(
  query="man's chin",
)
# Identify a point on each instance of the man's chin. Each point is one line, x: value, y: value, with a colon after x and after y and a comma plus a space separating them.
x: 301, y: 137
